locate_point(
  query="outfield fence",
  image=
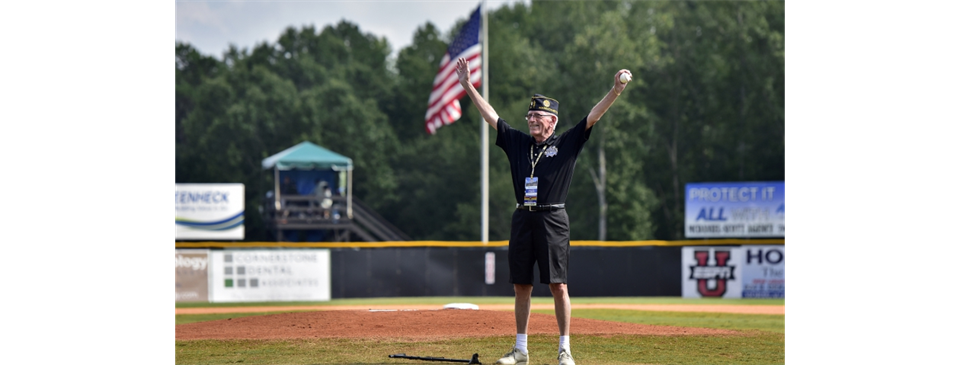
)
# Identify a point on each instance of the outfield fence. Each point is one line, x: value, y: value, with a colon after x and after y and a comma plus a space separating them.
x: 287, y: 271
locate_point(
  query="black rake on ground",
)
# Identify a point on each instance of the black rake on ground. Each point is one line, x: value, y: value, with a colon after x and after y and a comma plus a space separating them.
x: 474, y: 360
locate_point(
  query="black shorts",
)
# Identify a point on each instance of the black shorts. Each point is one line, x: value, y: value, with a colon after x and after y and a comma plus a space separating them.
x: 542, y: 238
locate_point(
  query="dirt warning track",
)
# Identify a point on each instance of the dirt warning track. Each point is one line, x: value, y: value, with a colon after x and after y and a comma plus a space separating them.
x: 719, y: 308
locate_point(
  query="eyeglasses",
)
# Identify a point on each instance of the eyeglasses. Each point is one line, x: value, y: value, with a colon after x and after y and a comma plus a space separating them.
x: 536, y: 116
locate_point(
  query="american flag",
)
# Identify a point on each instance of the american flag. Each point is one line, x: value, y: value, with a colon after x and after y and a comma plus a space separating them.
x: 444, y: 106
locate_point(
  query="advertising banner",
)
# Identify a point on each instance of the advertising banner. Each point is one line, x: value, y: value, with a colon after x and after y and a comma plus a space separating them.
x: 270, y: 275
x: 209, y: 211
x: 191, y: 276
x: 763, y: 272
x: 733, y: 272
x: 734, y: 209
x: 711, y: 272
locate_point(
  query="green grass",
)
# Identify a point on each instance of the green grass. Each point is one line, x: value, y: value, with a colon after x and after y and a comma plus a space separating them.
x: 761, y: 338
x: 191, y: 318
x: 755, y: 347
x: 729, y: 321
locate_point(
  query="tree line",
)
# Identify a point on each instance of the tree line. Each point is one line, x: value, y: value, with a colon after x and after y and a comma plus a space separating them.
x: 706, y: 104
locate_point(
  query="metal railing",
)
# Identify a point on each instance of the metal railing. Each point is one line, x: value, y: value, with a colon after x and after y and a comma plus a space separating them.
x: 305, y: 212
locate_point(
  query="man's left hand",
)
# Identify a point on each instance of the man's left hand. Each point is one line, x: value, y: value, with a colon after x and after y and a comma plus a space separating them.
x: 617, y: 84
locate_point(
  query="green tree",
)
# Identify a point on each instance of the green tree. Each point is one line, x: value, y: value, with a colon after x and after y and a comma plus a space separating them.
x: 716, y: 97
x: 706, y: 104
x: 270, y: 98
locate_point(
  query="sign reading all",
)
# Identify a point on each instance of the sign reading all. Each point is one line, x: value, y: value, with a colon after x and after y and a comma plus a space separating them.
x: 736, y: 209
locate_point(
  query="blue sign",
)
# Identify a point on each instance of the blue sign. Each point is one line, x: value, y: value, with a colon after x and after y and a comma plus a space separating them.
x: 734, y: 209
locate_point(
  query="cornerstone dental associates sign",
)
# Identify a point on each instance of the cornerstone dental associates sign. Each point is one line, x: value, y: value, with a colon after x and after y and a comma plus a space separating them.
x: 209, y: 211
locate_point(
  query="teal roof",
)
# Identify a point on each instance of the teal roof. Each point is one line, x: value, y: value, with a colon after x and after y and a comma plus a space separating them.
x: 307, y: 156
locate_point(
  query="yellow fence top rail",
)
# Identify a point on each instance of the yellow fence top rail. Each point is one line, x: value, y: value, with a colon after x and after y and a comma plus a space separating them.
x: 214, y: 244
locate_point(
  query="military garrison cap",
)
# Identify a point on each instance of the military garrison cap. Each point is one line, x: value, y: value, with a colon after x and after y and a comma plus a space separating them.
x: 543, y: 103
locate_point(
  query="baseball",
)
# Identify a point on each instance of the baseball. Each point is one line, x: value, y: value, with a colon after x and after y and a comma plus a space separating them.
x: 624, y: 77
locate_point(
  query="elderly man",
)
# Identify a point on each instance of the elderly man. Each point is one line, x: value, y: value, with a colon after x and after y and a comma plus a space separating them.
x: 541, y: 164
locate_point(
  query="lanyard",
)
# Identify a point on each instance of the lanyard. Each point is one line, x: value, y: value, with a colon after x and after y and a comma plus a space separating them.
x: 534, y: 162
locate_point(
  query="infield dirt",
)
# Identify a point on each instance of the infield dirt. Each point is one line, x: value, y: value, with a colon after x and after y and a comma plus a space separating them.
x: 410, y: 324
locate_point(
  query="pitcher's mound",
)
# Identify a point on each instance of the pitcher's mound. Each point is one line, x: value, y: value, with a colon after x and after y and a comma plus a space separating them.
x: 420, y: 325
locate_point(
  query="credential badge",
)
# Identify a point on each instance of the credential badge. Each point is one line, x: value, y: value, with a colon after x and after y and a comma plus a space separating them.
x: 551, y: 151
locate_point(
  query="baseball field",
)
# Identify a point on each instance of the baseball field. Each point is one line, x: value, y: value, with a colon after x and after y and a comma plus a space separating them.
x: 366, y: 331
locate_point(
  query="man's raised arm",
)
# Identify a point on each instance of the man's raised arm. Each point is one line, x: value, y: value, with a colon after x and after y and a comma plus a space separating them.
x: 605, y: 103
x: 486, y: 111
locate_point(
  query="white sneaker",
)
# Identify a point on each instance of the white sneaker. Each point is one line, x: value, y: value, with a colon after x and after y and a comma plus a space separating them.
x: 565, y: 358
x: 514, y: 357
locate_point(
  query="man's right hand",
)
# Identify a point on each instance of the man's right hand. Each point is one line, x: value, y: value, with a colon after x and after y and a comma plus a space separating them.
x: 463, y: 72
x: 486, y: 111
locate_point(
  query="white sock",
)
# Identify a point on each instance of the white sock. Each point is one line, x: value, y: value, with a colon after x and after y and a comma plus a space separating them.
x: 521, y: 342
x: 564, y: 343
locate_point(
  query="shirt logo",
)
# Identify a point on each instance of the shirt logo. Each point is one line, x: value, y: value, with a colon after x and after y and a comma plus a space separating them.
x: 551, y: 151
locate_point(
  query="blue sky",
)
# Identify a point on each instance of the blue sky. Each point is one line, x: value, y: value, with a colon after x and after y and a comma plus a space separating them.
x: 211, y: 26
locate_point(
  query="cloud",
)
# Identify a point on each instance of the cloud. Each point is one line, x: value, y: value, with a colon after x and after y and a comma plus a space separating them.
x: 199, y: 15
x: 212, y: 26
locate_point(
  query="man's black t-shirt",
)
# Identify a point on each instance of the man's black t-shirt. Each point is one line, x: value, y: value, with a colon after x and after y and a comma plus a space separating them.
x: 553, y: 171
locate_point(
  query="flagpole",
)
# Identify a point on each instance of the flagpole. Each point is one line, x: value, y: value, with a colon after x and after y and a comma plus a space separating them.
x: 485, y: 137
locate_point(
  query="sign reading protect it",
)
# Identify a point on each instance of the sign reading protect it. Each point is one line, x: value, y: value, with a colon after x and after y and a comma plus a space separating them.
x: 734, y: 210
x: 209, y: 211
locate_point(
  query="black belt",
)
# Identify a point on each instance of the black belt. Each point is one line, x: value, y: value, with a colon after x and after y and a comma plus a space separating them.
x: 539, y: 208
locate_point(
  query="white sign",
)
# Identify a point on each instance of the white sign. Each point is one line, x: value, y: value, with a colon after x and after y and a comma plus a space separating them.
x: 764, y: 272
x: 269, y: 275
x: 490, y: 268
x: 735, y: 209
x: 711, y: 272
x: 209, y: 211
